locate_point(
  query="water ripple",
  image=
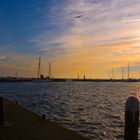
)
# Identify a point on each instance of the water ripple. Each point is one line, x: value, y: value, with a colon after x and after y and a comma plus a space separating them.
x: 93, y: 109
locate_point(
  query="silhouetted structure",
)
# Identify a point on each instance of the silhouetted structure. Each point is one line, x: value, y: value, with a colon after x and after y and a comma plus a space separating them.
x: 41, y: 76
x: 131, y: 118
x: 84, y: 77
x: 50, y: 70
x: 2, y: 114
x: 128, y: 68
x: 39, y: 65
x: 122, y: 73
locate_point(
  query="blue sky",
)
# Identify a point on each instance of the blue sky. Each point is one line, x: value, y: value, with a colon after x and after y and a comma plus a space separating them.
x: 106, y: 36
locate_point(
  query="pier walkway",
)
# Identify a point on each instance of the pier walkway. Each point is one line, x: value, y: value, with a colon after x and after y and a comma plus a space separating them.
x: 22, y: 124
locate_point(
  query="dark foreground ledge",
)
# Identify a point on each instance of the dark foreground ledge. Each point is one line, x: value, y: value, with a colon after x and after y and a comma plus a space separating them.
x: 21, y: 124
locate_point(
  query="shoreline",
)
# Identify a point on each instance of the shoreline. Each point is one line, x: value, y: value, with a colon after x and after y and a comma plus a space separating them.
x: 22, y: 124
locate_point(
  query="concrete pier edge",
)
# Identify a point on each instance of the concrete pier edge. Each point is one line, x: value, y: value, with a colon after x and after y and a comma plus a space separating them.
x: 26, y: 125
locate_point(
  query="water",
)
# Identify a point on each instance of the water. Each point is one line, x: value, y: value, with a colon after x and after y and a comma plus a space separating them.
x: 94, y: 109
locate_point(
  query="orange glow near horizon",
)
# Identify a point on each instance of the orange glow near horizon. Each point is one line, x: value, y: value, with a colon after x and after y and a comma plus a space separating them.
x: 102, y: 39
x: 94, y: 62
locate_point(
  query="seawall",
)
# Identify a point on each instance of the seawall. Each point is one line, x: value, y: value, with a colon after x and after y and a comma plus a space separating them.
x: 22, y: 124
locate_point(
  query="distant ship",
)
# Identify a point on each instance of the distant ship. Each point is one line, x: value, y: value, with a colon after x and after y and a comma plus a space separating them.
x: 42, y: 80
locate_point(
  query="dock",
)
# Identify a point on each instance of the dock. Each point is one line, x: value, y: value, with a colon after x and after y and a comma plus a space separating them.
x: 22, y: 124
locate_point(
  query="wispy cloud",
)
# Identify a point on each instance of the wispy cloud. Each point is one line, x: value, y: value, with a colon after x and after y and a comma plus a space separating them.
x: 102, y: 21
x: 108, y: 34
x: 10, y: 63
x: 2, y: 58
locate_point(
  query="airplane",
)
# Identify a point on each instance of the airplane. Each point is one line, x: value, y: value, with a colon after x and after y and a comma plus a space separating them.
x: 78, y: 16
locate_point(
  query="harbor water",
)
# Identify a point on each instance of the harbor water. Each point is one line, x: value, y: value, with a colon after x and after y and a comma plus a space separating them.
x: 94, y: 109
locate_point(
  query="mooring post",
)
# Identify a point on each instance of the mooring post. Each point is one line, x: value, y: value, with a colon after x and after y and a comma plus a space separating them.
x: 131, y: 118
x: 43, y: 117
x: 2, y: 114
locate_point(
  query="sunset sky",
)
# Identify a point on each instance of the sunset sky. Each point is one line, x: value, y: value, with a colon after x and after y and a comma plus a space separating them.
x: 108, y: 35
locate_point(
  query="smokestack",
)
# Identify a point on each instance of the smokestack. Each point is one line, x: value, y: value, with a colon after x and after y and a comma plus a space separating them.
x: 122, y: 73
x: 50, y: 75
x: 128, y: 71
x: 39, y: 64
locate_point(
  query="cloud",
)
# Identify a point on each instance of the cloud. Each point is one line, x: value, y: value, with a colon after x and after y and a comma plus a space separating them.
x: 102, y: 22
x: 102, y: 38
x: 107, y: 35
x: 24, y: 64
x: 132, y: 20
x: 2, y: 58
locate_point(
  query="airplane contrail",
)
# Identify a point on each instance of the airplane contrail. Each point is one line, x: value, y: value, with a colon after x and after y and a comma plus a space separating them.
x: 132, y: 20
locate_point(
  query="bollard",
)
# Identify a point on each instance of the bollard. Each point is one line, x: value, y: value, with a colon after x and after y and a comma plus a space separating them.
x: 131, y: 118
x: 2, y: 115
x: 43, y: 117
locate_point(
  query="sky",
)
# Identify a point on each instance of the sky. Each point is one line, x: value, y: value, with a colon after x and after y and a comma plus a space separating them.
x: 106, y: 36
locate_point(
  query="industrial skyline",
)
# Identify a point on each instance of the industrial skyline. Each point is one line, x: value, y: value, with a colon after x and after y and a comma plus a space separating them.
x: 126, y: 73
